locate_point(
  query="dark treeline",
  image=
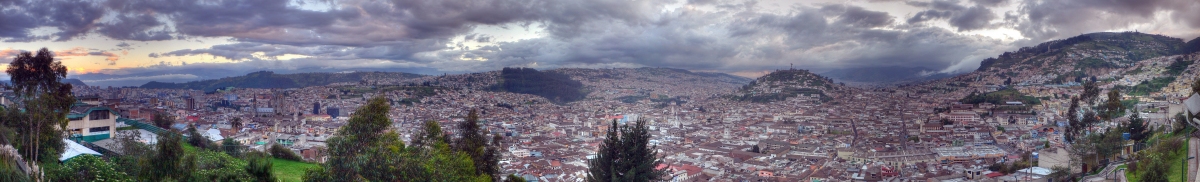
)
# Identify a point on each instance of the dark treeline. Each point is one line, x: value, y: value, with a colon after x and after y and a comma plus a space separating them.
x: 557, y: 87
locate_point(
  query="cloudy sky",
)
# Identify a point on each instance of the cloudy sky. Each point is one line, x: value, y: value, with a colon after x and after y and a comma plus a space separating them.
x: 129, y: 42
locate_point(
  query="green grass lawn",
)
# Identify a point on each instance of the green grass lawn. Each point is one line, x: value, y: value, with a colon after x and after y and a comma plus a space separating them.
x: 287, y: 170
x: 1178, y: 167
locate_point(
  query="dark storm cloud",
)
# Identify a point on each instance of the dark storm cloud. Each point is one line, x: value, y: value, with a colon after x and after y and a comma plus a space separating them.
x: 135, y: 27
x: 1048, y: 19
x: 974, y: 18
x: 929, y: 15
x: 958, y: 16
x: 72, y: 18
x: 859, y: 17
x: 16, y: 24
x: 944, y: 5
x: 749, y: 41
x: 728, y: 36
x: 990, y: 3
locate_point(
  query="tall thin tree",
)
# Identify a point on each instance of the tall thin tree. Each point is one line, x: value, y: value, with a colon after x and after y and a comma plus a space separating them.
x: 37, y: 80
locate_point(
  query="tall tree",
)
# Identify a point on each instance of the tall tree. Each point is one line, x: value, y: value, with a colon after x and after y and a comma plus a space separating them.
x: 36, y: 79
x: 1137, y: 127
x: 473, y: 142
x: 1113, y: 107
x: 1074, y: 125
x: 1090, y: 92
x: 626, y: 156
x: 162, y: 120
x: 168, y: 161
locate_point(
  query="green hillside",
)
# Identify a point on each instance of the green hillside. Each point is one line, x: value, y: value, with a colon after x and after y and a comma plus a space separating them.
x: 783, y: 84
x: 1094, y: 50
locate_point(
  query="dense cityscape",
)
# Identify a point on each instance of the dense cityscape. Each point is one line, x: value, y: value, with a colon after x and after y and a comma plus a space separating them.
x: 701, y: 130
x: 600, y: 90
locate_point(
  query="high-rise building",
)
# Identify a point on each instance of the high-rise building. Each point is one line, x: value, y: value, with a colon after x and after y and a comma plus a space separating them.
x: 332, y: 111
x: 191, y: 103
x: 316, y: 108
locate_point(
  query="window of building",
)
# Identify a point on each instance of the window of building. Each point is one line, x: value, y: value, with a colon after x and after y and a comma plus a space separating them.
x: 98, y: 129
x: 99, y: 115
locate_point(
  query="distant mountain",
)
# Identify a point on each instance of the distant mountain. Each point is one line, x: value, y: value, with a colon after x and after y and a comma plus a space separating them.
x: 1094, y: 50
x: 885, y: 74
x: 783, y: 84
x: 74, y: 82
x: 267, y: 79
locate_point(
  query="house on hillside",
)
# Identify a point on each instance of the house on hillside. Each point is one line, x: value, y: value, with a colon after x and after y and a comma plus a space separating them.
x: 91, y: 123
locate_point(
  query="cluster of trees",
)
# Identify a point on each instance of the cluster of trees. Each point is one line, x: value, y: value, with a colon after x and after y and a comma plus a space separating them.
x: 784, y: 94
x: 1154, y: 164
x: 557, y: 87
x: 365, y: 150
x: 1100, y: 145
x: 624, y: 156
x: 999, y: 97
x: 169, y: 160
x: 34, y: 126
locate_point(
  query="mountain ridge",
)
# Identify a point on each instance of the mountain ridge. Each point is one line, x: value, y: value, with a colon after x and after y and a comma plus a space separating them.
x: 268, y: 79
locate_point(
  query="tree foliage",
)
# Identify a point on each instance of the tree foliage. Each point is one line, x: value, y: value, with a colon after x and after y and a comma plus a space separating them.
x: 1137, y: 127
x: 473, y: 142
x: 557, y: 87
x: 231, y: 147
x: 514, y: 178
x: 87, y: 168
x: 162, y: 120
x: 259, y: 167
x: 1000, y: 97
x: 626, y: 155
x: 198, y: 140
x: 168, y: 158
x: 365, y: 150
x: 37, y: 80
x: 1074, y: 124
x: 1113, y: 107
x: 281, y: 152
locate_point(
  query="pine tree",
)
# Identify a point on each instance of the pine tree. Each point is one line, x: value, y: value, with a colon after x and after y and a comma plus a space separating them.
x: 1137, y: 127
x: 473, y: 142
x: 626, y: 156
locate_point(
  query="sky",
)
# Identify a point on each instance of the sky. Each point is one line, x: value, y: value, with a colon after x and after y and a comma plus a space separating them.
x: 130, y: 42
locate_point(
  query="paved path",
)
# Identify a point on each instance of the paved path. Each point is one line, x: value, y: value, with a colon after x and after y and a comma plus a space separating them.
x: 1109, y: 171
x: 1193, y: 151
